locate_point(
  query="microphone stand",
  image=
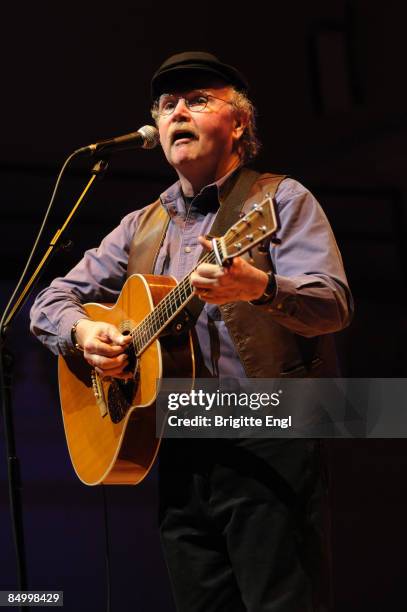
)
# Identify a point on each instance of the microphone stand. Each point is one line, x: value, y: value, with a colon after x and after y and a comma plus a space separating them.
x: 6, y: 371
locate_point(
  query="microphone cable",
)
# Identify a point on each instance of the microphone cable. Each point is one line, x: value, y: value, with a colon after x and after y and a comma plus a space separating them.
x: 37, y: 239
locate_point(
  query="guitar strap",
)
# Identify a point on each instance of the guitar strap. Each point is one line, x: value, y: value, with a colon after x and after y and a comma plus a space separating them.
x: 230, y: 208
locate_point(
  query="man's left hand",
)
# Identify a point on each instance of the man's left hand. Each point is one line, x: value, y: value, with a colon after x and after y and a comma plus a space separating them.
x: 217, y: 285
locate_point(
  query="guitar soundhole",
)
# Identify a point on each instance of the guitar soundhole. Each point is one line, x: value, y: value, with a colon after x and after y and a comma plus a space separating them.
x: 119, y: 398
x: 121, y: 393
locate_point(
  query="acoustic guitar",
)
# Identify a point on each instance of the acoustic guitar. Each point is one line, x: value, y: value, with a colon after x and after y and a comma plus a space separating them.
x: 110, y: 424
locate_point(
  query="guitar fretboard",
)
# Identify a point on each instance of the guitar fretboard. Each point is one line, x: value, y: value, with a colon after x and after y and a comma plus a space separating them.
x: 166, y: 310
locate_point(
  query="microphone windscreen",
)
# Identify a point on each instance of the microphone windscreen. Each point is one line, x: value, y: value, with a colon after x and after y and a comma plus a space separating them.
x: 150, y: 135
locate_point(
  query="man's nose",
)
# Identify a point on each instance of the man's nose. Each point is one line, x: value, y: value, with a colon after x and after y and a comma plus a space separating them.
x: 181, y: 108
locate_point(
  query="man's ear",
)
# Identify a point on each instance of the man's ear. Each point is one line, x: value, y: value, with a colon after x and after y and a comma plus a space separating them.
x: 240, y: 124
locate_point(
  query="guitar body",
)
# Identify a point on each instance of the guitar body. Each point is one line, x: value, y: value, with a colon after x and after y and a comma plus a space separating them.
x: 110, y: 425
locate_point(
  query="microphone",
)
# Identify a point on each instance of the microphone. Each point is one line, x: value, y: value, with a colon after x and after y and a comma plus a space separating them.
x: 146, y: 137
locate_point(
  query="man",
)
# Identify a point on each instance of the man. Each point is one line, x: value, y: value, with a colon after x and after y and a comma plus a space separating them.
x: 240, y: 520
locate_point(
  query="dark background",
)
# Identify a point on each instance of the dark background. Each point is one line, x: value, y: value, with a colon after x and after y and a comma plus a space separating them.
x: 328, y: 81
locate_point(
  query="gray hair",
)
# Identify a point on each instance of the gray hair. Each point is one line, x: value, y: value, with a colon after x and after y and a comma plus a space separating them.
x: 249, y: 144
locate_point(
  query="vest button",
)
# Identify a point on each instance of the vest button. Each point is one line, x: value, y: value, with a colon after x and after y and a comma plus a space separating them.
x: 187, y: 249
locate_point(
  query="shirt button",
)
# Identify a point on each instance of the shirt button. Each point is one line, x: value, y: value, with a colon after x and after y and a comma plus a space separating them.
x: 187, y: 249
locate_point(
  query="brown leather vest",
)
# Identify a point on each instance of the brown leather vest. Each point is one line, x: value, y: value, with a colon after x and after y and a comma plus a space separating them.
x: 266, y: 348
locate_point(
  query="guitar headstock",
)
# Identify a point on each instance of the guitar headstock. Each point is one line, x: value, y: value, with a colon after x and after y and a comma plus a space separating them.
x: 256, y: 226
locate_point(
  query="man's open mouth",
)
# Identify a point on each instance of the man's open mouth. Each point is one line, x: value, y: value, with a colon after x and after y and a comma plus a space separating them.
x: 183, y: 135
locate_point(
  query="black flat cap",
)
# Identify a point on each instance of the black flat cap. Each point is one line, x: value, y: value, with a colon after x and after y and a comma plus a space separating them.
x: 183, y: 68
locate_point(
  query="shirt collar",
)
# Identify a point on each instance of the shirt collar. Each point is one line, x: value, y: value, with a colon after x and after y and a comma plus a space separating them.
x: 207, y: 200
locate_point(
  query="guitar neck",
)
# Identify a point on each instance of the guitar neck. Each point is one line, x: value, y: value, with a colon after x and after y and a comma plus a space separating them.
x: 166, y: 310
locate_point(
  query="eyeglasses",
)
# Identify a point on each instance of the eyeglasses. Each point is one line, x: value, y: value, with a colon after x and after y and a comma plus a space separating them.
x: 196, y: 102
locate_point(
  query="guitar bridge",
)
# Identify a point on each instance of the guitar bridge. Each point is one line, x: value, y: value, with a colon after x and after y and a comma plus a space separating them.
x: 99, y: 393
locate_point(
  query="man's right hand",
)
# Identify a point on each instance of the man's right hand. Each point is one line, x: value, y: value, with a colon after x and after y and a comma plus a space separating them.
x: 104, y: 347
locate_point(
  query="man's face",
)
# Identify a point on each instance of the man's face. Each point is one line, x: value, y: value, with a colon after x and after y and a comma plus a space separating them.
x: 203, y: 140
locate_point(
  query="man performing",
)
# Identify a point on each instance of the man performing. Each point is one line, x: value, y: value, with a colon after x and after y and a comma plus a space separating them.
x: 240, y: 520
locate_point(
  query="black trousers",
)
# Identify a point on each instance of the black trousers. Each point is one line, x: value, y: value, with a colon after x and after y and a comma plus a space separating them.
x: 243, y: 525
